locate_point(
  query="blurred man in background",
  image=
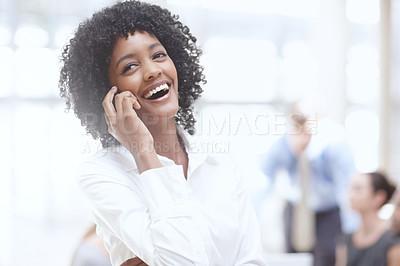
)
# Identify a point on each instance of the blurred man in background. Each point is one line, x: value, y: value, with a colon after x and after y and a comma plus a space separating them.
x: 316, y: 162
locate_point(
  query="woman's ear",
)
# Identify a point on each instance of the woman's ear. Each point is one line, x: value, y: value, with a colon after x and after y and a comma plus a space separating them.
x: 380, y: 197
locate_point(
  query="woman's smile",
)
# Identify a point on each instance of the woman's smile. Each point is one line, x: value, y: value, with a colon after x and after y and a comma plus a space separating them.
x: 140, y: 64
x: 157, y: 91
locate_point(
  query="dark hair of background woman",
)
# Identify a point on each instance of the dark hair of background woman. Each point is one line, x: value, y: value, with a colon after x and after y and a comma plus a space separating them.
x: 84, y: 75
x: 380, y: 182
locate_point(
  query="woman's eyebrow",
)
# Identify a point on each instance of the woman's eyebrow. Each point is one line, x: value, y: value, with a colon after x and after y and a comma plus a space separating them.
x: 152, y: 46
x: 123, y: 58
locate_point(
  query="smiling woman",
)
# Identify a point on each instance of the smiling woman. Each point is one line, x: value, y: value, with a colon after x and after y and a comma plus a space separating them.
x: 154, y: 199
x: 87, y: 62
x: 140, y: 64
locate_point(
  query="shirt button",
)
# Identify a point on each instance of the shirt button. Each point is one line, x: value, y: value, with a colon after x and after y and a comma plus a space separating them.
x: 180, y: 197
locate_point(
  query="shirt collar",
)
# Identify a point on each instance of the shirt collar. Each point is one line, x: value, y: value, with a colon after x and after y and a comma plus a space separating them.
x: 196, y: 157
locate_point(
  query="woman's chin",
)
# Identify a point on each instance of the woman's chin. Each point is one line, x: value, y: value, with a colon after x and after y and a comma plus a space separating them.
x: 154, y: 116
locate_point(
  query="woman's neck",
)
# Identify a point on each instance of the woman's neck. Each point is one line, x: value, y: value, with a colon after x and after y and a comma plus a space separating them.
x: 369, y: 220
x: 371, y: 229
x: 370, y: 223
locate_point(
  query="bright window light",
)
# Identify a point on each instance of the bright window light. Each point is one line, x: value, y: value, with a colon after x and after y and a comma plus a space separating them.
x: 68, y: 146
x: 299, y: 71
x: 362, y: 74
x: 37, y: 72
x: 362, y: 82
x: 6, y: 159
x: 240, y: 70
x: 5, y: 36
x: 246, y: 130
x: 363, y: 52
x: 362, y: 127
x: 29, y: 36
x: 62, y: 35
x: 6, y: 71
x: 31, y: 151
x: 293, y: 8
x: 363, y: 11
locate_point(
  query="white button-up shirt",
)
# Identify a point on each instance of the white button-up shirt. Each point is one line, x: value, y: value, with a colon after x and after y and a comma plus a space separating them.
x: 164, y: 219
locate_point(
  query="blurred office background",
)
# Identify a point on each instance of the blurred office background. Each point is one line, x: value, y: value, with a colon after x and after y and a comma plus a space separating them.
x: 258, y: 55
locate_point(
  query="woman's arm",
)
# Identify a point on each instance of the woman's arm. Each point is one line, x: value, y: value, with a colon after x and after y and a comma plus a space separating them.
x: 341, y: 254
x: 151, y: 211
x: 393, y: 256
x: 153, y: 217
x: 134, y: 262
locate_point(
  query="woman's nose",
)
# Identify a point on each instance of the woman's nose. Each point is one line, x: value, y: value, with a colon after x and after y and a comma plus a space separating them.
x: 152, y: 70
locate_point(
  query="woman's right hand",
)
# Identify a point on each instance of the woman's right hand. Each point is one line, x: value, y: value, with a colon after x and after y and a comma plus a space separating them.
x: 125, y: 125
x: 123, y: 122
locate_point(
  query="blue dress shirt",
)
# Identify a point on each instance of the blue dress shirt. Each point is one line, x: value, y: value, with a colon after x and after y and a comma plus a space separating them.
x: 332, y: 166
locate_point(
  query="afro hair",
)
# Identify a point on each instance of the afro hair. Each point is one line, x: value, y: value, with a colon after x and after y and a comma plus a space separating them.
x: 84, y: 78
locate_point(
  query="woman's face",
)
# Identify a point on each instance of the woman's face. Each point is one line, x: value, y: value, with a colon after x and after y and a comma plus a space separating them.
x: 362, y: 196
x: 140, y: 64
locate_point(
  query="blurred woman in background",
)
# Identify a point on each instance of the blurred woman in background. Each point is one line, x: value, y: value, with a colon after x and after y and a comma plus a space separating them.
x: 374, y: 243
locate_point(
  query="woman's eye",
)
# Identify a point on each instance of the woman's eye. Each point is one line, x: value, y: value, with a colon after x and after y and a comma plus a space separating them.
x: 159, y: 55
x: 128, y: 67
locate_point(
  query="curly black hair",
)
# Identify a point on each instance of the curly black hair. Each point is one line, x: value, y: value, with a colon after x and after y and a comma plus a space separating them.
x: 84, y: 78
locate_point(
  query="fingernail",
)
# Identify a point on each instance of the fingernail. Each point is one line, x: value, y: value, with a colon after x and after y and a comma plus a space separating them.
x: 113, y: 88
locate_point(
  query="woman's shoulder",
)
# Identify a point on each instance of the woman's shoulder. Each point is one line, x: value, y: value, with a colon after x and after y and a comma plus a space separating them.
x: 391, y: 238
x: 116, y: 155
x: 385, y: 241
x: 109, y: 162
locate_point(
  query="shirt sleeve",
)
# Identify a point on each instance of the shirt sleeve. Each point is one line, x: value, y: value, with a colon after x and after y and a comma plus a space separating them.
x: 153, y: 218
x: 277, y: 156
x: 250, y: 251
x: 268, y: 164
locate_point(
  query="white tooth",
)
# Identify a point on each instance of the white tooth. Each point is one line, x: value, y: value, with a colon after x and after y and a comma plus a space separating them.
x: 155, y: 90
x: 150, y: 93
